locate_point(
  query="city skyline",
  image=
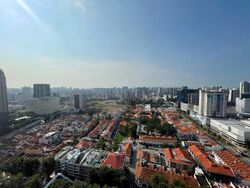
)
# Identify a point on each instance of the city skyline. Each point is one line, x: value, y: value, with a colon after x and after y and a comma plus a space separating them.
x: 88, y: 43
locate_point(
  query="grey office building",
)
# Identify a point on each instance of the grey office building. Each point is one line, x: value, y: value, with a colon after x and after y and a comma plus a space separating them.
x: 41, y: 90
x: 4, y: 117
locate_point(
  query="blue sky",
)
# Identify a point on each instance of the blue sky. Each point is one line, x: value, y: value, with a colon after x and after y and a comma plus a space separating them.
x: 105, y: 43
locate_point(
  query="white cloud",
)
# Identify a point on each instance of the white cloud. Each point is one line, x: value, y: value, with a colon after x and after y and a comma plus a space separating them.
x: 33, y: 15
x: 80, y: 4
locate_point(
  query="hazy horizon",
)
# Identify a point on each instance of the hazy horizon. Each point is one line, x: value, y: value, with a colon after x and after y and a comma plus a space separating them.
x: 91, y: 44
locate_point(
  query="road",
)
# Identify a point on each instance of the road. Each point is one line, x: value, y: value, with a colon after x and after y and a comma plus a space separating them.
x: 13, y: 133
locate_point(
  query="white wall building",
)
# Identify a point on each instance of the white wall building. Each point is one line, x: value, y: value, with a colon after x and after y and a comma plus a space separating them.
x: 147, y: 108
x: 212, y: 103
x: 43, y: 106
x: 243, y: 105
x: 51, y: 138
x: 237, y: 132
x: 186, y: 107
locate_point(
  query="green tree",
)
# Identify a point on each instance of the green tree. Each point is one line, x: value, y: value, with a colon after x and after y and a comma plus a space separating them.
x: 132, y: 130
x: 15, y: 166
x: 115, y: 144
x: 78, y: 184
x: 103, y: 176
x: 178, y: 184
x: 101, y: 144
x: 27, y: 166
x: 124, y: 131
x: 167, y: 129
x: 30, y: 166
x: 158, y: 181
x: 16, y: 181
x: 33, y: 182
x: 60, y: 183
x: 48, y: 166
x: 143, y: 120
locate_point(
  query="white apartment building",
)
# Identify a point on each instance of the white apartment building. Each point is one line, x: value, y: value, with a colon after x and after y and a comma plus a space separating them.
x: 43, y: 106
x: 243, y: 105
x: 212, y: 103
x: 51, y: 138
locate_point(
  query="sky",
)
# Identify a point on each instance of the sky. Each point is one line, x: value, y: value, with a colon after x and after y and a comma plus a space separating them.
x: 112, y: 43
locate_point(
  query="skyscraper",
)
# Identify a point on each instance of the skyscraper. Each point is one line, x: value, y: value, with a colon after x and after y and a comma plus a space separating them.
x: 245, y: 89
x: 80, y: 101
x: 41, y: 90
x: 212, y: 103
x: 3, y: 101
x: 243, y: 102
x: 232, y: 95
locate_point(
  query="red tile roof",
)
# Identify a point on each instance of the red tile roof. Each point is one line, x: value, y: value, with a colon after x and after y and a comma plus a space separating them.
x: 239, y: 167
x: 114, y: 160
x: 85, y: 144
x: 98, y: 129
x: 124, y: 124
x: 145, y: 174
x: 158, y: 139
x: 208, y: 164
x: 142, y: 155
x: 178, y: 155
x: 127, y: 149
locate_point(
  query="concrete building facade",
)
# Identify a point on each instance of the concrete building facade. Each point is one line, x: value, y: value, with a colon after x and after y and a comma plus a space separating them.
x: 212, y: 103
x: 4, y: 119
x: 80, y: 101
x: 43, y: 106
x: 235, y: 131
x: 41, y: 90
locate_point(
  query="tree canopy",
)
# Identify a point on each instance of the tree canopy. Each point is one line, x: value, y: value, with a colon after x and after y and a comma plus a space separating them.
x: 158, y: 181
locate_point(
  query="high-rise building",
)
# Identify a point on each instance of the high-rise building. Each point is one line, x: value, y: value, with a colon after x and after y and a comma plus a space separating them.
x: 186, y: 95
x: 41, y: 90
x: 243, y: 106
x: 139, y: 93
x: 232, y: 95
x: 212, y: 103
x: 245, y: 89
x: 193, y: 98
x: 243, y: 102
x: 80, y: 101
x: 24, y: 95
x: 4, y: 119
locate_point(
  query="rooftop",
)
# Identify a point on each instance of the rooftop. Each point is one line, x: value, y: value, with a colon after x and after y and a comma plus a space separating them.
x: 209, y: 165
x: 239, y: 167
x: 88, y: 157
x: 115, y: 160
x: 161, y: 139
x: 145, y: 174
x: 241, y: 125
x: 178, y: 155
